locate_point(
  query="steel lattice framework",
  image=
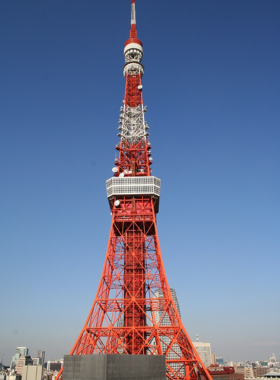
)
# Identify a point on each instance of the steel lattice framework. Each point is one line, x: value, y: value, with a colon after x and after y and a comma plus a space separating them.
x: 128, y: 316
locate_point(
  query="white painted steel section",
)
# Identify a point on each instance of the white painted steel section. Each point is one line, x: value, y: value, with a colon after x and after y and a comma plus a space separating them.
x: 133, y: 14
x: 132, y: 124
x: 133, y: 46
x: 134, y: 67
x: 133, y: 186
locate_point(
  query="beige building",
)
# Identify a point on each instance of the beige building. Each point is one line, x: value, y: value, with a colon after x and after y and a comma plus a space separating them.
x: 213, y: 358
x: 22, y: 361
x: 32, y: 372
x: 260, y: 371
x: 248, y: 372
x: 239, y: 368
x: 204, y: 352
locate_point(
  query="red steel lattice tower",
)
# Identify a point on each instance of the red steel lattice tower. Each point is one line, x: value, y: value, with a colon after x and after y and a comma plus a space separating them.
x: 133, y: 311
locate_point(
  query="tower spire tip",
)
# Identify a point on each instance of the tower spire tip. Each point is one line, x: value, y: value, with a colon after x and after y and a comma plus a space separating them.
x: 133, y: 31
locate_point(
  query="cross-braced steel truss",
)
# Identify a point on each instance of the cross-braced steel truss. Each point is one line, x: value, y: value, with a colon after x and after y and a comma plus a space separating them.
x: 128, y: 316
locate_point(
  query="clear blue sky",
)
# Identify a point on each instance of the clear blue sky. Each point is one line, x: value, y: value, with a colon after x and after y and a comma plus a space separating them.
x: 212, y: 86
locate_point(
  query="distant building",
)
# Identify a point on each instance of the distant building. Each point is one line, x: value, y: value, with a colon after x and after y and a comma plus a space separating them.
x: 2, y: 374
x: 220, y: 360
x: 260, y: 371
x: 20, y: 351
x: 224, y: 373
x: 248, y: 372
x: 54, y: 365
x: 37, y: 360
x: 11, y: 376
x: 272, y: 359
x: 213, y: 358
x: 32, y: 372
x: 239, y: 368
x: 22, y: 361
x: 272, y: 375
x: 204, y: 352
x: 175, y: 353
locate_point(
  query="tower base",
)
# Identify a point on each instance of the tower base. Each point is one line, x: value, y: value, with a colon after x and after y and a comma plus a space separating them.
x: 101, y: 367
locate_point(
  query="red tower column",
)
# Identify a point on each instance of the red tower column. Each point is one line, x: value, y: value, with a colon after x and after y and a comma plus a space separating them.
x: 128, y: 316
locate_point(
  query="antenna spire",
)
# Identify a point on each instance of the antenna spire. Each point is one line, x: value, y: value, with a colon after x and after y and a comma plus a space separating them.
x: 133, y: 31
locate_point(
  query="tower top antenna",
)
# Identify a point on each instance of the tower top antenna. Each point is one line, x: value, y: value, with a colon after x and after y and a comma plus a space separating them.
x: 133, y: 30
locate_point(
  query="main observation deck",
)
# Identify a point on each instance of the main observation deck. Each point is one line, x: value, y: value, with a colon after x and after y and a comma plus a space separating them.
x: 134, y: 186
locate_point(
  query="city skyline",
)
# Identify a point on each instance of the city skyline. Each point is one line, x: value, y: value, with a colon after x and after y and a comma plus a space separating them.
x: 221, y: 361
x: 213, y: 99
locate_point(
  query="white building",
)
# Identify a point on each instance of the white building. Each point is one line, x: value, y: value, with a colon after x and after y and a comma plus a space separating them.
x: 54, y: 365
x: 36, y: 360
x: 272, y: 359
x: 204, y: 352
x: 11, y: 376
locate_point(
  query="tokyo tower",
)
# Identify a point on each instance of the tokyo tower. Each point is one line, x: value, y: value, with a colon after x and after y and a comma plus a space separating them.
x: 133, y: 311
